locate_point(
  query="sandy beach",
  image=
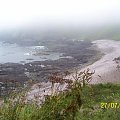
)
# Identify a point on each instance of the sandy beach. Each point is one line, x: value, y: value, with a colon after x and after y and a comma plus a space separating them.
x: 106, y: 69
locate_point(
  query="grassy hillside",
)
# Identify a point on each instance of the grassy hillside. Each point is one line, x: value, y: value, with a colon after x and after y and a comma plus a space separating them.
x: 94, y: 107
x: 80, y: 101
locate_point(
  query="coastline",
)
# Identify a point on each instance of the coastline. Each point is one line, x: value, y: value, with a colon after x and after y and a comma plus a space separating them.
x: 81, y: 52
x: 106, y: 69
x: 45, y: 88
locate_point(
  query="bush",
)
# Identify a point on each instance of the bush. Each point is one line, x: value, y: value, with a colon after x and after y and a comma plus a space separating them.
x: 62, y: 105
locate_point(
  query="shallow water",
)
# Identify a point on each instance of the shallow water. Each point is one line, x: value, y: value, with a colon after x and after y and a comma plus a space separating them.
x: 15, y: 53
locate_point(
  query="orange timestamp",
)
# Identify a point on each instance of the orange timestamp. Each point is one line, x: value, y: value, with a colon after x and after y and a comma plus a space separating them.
x: 110, y: 105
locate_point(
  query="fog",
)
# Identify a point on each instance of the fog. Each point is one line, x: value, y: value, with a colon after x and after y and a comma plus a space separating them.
x: 21, y: 13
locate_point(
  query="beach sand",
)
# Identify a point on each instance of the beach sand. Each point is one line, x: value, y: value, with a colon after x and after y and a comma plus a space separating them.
x: 106, y: 69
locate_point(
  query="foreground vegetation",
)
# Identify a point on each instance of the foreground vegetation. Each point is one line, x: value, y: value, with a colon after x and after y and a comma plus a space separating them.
x: 80, y: 101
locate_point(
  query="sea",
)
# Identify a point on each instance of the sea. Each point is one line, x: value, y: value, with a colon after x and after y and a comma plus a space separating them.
x: 15, y: 53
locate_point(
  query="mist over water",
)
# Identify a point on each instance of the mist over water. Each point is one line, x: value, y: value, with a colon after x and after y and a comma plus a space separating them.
x: 18, y: 54
x: 26, y: 24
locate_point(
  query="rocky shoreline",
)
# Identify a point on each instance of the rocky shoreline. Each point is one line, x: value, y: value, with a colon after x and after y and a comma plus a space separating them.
x: 81, y: 54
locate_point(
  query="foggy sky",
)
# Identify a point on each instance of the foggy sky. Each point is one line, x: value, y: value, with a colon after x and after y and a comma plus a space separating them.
x: 15, y: 13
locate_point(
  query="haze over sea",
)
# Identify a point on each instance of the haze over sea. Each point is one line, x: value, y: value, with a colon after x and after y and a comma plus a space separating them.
x: 23, y: 54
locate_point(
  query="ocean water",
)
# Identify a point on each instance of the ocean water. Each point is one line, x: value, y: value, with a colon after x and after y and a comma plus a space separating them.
x: 19, y: 54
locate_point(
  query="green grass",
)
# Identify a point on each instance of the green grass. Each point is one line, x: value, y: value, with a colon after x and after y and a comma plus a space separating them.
x: 58, y: 107
x: 79, y: 102
x: 101, y: 93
